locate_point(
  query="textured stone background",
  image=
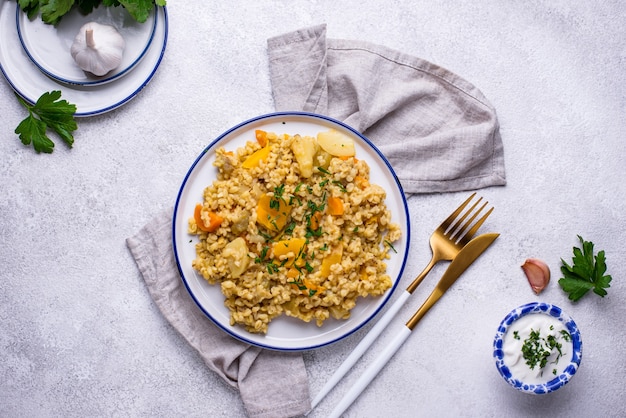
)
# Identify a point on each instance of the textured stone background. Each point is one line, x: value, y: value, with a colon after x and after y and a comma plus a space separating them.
x: 79, y: 334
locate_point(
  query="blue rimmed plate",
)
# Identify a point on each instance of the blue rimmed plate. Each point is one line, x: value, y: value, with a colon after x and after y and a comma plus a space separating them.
x: 285, y: 333
x: 48, y: 46
x: 30, y: 83
x: 572, y: 360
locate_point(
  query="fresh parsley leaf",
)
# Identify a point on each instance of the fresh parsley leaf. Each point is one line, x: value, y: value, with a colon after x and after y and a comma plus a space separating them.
x: 49, y: 112
x: 586, y: 273
x: 140, y: 9
x: 53, y: 10
x: 30, y: 7
x: 87, y: 6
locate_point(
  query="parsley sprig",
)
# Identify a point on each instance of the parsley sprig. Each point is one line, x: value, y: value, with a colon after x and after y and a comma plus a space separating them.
x: 53, y: 10
x: 586, y: 272
x: 49, y: 112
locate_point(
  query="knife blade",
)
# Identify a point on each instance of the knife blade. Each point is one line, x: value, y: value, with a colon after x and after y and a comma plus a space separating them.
x: 461, y: 262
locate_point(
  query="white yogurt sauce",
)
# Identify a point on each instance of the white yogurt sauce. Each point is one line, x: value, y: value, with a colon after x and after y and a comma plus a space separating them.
x: 520, y: 331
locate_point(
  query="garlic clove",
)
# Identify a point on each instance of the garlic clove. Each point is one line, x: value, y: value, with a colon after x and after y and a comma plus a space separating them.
x: 98, y: 48
x: 538, y: 274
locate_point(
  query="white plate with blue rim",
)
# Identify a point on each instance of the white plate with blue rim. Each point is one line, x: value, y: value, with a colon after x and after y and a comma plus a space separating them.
x: 284, y: 333
x: 48, y: 46
x: 30, y: 83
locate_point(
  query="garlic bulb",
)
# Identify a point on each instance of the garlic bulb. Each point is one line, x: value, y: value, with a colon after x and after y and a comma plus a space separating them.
x: 98, y: 48
x: 538, y: 274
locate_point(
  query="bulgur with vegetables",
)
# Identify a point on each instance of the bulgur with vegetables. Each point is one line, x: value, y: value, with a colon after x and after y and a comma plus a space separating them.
x: 293, y: 225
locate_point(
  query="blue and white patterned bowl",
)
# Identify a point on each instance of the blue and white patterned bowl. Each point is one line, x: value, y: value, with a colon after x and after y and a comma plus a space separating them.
x: 559, y: 380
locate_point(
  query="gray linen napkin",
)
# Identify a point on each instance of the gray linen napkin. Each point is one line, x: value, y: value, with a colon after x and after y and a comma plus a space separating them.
x: 437, y: 130
x: 271, y: 384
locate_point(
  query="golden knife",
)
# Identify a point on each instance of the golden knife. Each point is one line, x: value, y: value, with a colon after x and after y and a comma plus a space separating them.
x: 461, y: 262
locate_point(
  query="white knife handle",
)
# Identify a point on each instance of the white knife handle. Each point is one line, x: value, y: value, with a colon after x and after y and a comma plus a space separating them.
x: 370, y: 373
x: 358, y: 351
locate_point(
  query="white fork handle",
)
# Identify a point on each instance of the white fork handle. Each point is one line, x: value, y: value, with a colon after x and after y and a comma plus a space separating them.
x: 358, y: 351
x: 370, y: 373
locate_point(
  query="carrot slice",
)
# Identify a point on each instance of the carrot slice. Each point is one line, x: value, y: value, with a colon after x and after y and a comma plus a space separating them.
x: 315, y: 221
x: 362, y: 182
x: 335, y: 206
x: 272, y: 216
x: 261, y: 137
x: 333, y: 258
x: 255, y: 158
x: 215, y: 220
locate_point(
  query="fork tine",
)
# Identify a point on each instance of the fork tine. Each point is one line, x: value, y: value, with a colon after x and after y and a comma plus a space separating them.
x: 454, y: 230
x: 448, y: 221
x: 468, y: 236
x: 461, y: 225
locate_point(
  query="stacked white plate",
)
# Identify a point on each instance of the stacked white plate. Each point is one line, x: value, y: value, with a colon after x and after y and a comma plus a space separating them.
x: 35, y: 57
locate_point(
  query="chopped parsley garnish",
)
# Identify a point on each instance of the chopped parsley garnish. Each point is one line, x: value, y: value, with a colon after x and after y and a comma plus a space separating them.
x: 262, y: 256
x: 313, y: 232
x: 278, y: 196
x: 313, y: 207
x: 289, y: 228
x: 269, y: 264
x: 299, y: 283
x: 295, y: 198
x: 340, y: 185
x: 272, y: 268
x: 265, y: 236
x: 390, y: 245
x: 536, y: 349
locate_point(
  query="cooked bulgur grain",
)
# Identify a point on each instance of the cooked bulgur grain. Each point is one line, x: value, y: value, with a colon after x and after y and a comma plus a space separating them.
x: 288, y: 228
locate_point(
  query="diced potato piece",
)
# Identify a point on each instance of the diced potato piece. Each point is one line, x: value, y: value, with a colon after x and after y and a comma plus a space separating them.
x: 338, y: 312
x: 236, y: 255
x: 240, y: 223
x: 322, y: 158
x: 336, y: 143
x: 304, y: 149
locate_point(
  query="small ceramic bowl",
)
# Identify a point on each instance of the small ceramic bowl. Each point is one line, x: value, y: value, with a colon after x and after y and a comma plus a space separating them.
x: 512, y: 365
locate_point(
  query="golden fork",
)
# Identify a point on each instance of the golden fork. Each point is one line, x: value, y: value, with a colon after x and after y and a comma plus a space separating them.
x: 445, y: 242
x: 448, y: 238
